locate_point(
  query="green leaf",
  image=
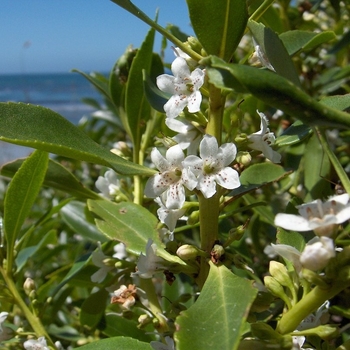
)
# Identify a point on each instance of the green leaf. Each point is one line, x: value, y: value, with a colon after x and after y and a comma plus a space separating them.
x: 275, y: 52
x: 137, y: 107
x: 302, y: 40
x: 219, y: 25
x: 41, y: 128
x: 57, y: 176
x: 258, y: 175
x: 216, y: 319
x: 97, y: 80
x: 294, y: 134
x: 340, y: 102
x: 125, y: 222
x: 93, y: 308
x: 116, y: 343
x: 155, y: 97
x: 292, y: 238
x: 21, y: 194
x: 276, y: 91
x: 116, y: 325
x: 316, y: 170
x: 73, y: 214
x: 26, y: 253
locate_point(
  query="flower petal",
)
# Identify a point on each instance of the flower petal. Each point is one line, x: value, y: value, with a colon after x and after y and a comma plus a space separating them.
x: 165, y: 83
x: 292, y: 222
x: 175, y: 105
x: 228, y: 178
x: 180, y: 68
x: 208, y: 147
x: 194, y: 102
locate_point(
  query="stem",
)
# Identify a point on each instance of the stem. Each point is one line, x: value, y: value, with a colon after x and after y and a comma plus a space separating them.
x: 216, y: 112
x: 308, y: 304
x: 334, y: 160
x: 32, y: 319
x: 147, y: 285
x: 261, y: 10
x: 130, y: 7
x: 209, y: 222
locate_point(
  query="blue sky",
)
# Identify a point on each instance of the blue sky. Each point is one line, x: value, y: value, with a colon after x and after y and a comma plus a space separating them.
x: 58, y: 35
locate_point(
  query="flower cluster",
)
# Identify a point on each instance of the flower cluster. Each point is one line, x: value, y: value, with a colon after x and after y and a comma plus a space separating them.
x: 321, y: 217
x: 202, y: 173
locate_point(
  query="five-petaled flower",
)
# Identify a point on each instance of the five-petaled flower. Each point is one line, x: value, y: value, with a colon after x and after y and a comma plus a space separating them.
x: 321, y: 217
x: 171, y: 178
x: 262, y: 140
x: 108, y: 184
x: 212, y: 166
x: 183, y: 86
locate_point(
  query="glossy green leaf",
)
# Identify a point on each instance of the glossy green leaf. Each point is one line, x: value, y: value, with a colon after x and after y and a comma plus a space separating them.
x: 41, y: 128
x: 57, y: 176
x: 137, y: 107
x: 292, y: 238
x: 155, y: 97
x: 272, y: 46
x: 295, y: 133
x: 340, y: 102
x: 316, y: 170
x: 21, y: 194
x: 26, y: 253
x: 93, y: 308
x: 216, y: 319
x: 73, y: 271
x: 219, y: 25
x: 301, y: 40
x: 125, y: 222
x: 74, y: 216
x: 258, y: 175
x: 116, y: 325
x: 116, y: 343
x: 276, y: 91
x: 97, y: 80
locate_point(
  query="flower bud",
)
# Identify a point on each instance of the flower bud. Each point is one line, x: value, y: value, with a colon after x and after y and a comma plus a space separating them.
x: 216, y: 253
x: 240, y: 138
x: 188, y: 252
x: 194, y: 44
x: 144, y: 320
x: 244, y: 158
x: 29, y: 286
x: 193, y: 218
x: 274, y: 287
x: 317, y: 254
x: 279, y: 272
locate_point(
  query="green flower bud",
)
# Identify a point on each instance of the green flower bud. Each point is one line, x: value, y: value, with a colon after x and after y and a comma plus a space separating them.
x: 241, y: 138
x: 244, y: 158
x: 274, y: 286
x: 193, y: 218
x: 280, y: 273
x: 194, y: 43
x: 188, y: 252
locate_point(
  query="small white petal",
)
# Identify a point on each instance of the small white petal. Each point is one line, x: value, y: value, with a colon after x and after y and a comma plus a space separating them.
x: 228, y: 178
x: 292, y: 222
x: 165, y: 83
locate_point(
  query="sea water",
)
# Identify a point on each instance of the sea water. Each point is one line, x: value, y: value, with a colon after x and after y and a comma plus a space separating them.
x: 61, y: 92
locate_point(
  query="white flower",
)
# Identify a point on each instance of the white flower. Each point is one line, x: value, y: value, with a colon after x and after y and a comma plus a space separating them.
x: 150, y: 263
x: 3, y: 316
x: 167, y: 216
x: 108, y: 184
x: 58, y: 345
x: 120, y: 251
x: 317, y: 253
x: 34, y: 344
x: 212, y: 166
x: 170, y: 345
x: 97, y: 258
x: 188, y: 136
x: 171, y: 178
x: 320, y: 217
x: 183, y: 86
x: 262, y: 140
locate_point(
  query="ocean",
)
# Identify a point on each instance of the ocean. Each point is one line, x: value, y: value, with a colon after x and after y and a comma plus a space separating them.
x: 61, y: 92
